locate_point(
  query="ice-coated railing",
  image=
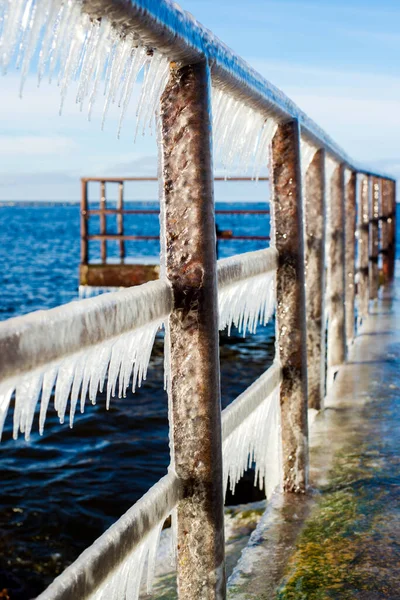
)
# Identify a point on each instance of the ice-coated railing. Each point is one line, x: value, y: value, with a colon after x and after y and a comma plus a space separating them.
x: 200, y: 90
x: 72, y: 351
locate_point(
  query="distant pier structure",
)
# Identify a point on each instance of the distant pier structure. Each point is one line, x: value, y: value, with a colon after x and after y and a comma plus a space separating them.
x: 123, y: 268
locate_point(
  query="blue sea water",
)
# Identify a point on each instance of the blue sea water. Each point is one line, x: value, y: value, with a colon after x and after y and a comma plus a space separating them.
x: 61, y: 491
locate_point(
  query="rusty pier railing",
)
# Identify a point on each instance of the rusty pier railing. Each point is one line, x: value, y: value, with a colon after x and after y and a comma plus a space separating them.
x: 314, y: 207
x: 127, y: 269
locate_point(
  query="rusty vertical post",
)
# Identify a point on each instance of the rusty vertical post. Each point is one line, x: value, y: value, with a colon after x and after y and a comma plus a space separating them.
x: 287, y: 211
x: 392, y: 228
x: 314, y: 196
x: 350, y: 253
x: 384, y: 220
x: 374, y: 240
x: 363, y: 248
x: 188, y: 250
x: 84, y: 223
x: 103, y: 221
x: 336, y: 275
x: 120, y: 219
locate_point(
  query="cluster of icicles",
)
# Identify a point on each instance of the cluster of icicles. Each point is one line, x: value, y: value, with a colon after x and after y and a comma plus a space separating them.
x: 118, y: 362
x: 68, y: 45
x: 255, y: 440
x: 242, y: 136
x: 125, y: 582
x: 64, y: 43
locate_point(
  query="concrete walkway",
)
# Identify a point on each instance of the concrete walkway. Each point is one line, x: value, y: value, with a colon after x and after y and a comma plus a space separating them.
x: 342, y: 540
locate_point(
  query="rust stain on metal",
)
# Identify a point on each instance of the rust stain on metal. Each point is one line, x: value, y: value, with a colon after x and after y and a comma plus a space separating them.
x: 363, y: 249
x: 350, y: 253
x: 103, y: 222
x: 385, y: 225
x: 117, y: 275
x: 314, y: 195
x: 392, y: 228
x: 291, y: 309
x: 194, y: 386
x: 336, y: 274
x: 374, y: 239
x: 84, y: 223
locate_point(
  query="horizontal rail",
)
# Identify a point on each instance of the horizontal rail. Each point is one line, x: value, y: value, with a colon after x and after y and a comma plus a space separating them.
x: 244, y: 266
x: 94, y: 565
x: 177, y: 34
x: 234, y: 414
x: 123, y: 179
x: 45, y: 336
x: 128, y: 211
x: 117, y: 237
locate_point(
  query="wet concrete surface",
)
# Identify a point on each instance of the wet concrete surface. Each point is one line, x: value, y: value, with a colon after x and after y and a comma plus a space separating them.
x: 341, y: 540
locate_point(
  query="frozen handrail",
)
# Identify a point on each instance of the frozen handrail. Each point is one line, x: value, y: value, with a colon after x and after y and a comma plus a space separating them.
x: 44, y: 336
x: 234, y: 414
x: 242, y: 266
x: 41, y: 337
x: 177, y: 34
x: 94, y: 565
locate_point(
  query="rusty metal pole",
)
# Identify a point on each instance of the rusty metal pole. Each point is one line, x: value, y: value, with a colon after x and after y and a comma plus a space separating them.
x: 84, y: 223
x: 363, y: 249
x: 315, y: 219
x: 287, y: 211
x: 336, y: 275
x: 374, y: 240
x: 188, y: 250
x: 384, y: 218
x: 350, y: 254
x: 392, y: 228
x: 120, y: 219
x: 103, y: 222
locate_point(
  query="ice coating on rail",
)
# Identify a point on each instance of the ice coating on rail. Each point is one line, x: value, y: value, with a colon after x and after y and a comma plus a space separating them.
x: 255, y: 437
x: 125, y: 581
x: 242, y: 135
x: 111, y: 366
x: 55, y: 37
x: 246, y: 290
x: 307, y: 153
x: 120, y: 564
x: 330, y: 167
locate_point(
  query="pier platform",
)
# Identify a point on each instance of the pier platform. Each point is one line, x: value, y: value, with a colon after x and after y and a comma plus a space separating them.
x: 341, y: 540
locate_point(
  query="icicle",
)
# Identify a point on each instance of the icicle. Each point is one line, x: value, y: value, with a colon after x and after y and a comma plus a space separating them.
x: 6, y: 392
x: 241, y: 134
x: 52, y: 35
x: 246, y: 303
x: 255, y: 439
x: 307, y: 152
x: 124, y: 357
x: 125, y: 581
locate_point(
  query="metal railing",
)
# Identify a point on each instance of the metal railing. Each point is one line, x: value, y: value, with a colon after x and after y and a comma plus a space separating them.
x: 190, y: 286
x: 120, y: 211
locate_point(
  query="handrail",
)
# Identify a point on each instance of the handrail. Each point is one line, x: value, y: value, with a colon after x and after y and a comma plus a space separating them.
x: 177, y: 34
x: 236, y: 412
x: 144, y: 178
x: 241, y: 289
x: 97, y: 563
x: 243, y: 266
x: 44, y: 336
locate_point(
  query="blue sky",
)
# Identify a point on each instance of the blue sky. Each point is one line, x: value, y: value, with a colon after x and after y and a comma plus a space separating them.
x: 338, y: 60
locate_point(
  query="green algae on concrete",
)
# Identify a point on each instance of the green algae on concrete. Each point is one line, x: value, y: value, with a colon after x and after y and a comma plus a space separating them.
x: 350, y: 545
x: 346, y: 545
